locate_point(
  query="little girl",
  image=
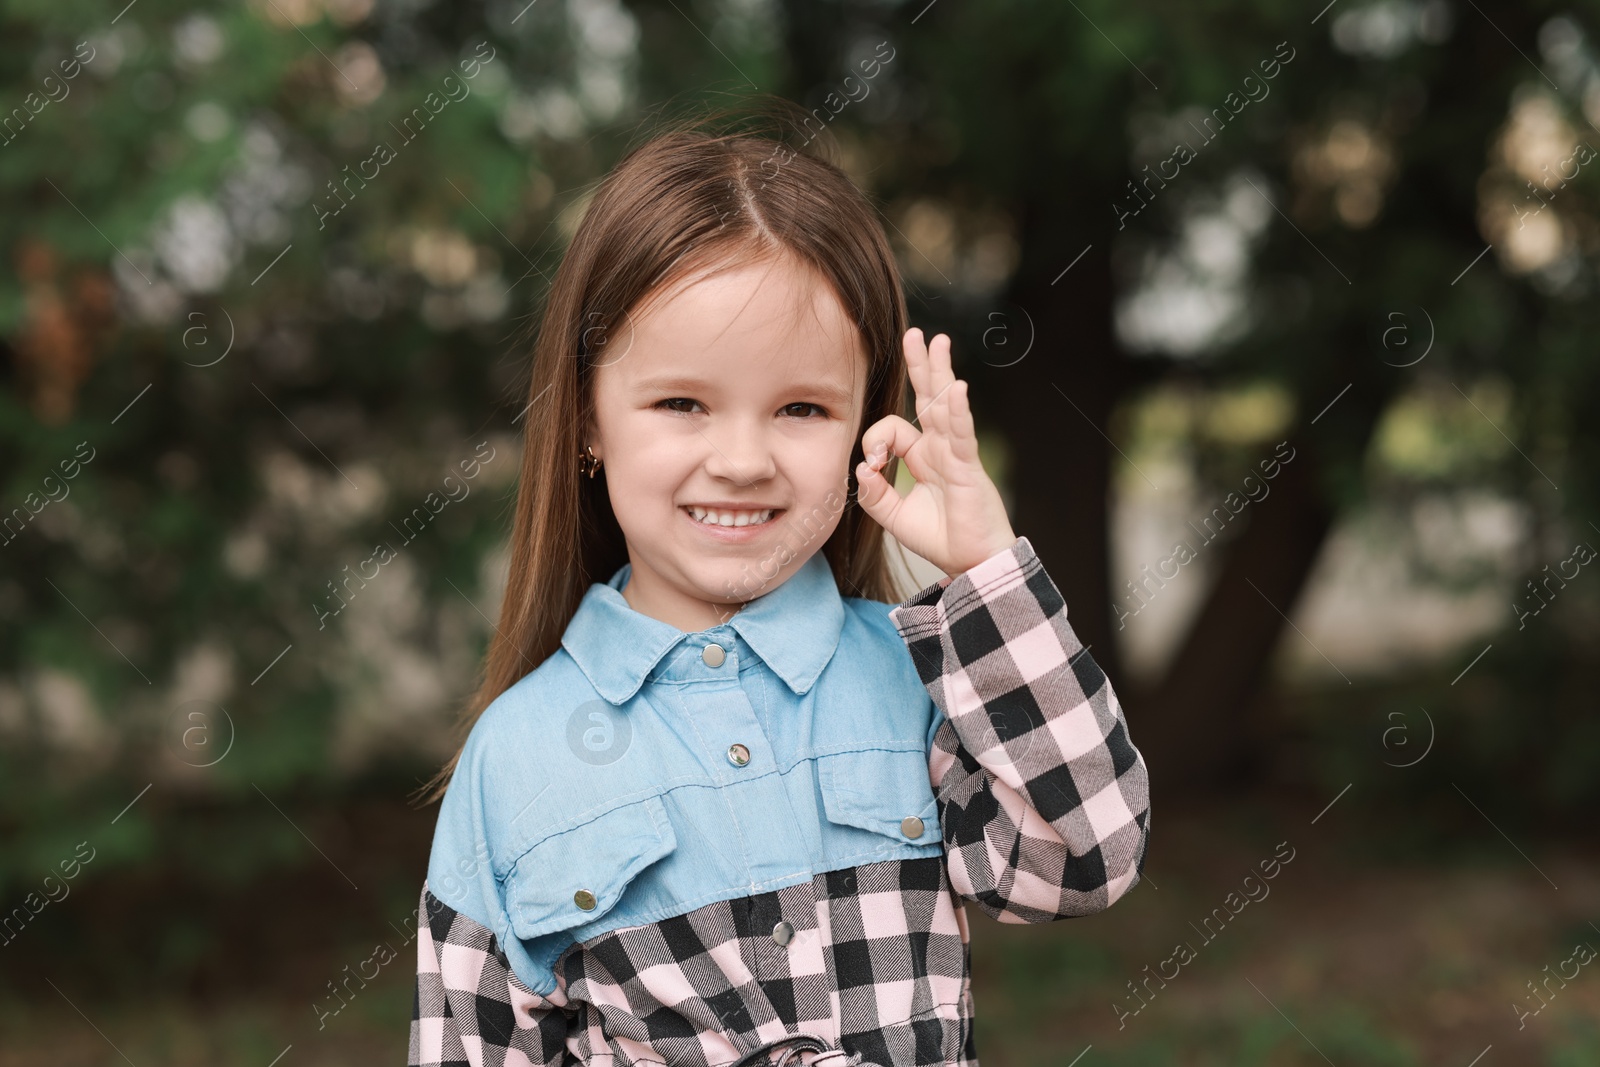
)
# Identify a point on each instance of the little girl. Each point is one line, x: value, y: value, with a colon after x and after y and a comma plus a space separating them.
x: 723, y: 801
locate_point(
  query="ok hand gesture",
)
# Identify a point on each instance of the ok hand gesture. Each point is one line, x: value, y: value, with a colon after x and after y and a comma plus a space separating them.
x: 953, y: 517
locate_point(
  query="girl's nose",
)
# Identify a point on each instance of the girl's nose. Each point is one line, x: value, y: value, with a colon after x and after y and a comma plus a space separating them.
x: 739, y: 452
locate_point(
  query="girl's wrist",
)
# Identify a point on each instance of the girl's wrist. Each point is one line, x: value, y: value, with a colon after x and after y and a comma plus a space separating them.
x: 998, y: 545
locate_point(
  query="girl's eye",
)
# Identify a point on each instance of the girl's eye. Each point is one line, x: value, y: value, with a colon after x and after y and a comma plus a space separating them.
x: 676, y: 400
x: 670, y: 404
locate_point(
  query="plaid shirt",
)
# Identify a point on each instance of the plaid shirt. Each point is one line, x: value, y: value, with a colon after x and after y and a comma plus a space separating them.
x: 1044, y: 814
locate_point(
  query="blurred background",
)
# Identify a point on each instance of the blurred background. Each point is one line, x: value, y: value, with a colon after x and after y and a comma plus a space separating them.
x: 1281, y: 325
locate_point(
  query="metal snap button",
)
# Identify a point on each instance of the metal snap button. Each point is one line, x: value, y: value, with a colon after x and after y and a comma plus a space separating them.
x: 584, y: 899
x: 713, y: 655
x: 738, y: 755
x: 783, y: 933
x: 911, y: 826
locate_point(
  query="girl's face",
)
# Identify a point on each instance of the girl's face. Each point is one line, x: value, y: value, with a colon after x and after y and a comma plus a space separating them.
x: 725, y: 414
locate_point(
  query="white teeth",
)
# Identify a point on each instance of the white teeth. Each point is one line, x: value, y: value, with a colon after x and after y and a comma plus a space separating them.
x: 729, y: 518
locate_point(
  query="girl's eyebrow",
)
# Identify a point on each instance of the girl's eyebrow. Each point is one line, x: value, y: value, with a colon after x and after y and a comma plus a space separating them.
x: 668, y: 384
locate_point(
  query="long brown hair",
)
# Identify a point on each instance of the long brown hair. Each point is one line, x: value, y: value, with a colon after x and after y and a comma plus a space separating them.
x: 701, y: 191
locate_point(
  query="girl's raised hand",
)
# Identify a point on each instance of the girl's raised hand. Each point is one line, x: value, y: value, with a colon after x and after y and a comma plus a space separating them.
x: 953, y: 517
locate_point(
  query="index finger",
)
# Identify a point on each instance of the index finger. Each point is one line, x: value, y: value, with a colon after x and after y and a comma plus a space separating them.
x: 930, y: 369
x: 916, y: 351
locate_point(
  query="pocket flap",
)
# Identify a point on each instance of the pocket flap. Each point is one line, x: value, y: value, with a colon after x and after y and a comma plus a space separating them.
x: 879, y: 790
x: 549, y: 884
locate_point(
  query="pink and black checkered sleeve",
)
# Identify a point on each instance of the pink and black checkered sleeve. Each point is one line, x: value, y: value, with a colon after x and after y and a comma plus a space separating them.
x: 470, y: 1008
x: 1043, y: 799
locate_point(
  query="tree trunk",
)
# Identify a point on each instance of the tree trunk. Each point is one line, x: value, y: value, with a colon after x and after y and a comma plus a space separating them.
x: 1054, y: 409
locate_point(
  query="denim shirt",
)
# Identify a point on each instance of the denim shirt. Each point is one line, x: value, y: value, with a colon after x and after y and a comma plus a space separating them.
x: 613, y: 765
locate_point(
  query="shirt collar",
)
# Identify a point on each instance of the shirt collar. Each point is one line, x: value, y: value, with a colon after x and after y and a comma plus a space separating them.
x: 794, y: 629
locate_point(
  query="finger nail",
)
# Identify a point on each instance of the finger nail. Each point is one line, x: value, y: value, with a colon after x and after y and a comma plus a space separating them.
x: 879, y: 452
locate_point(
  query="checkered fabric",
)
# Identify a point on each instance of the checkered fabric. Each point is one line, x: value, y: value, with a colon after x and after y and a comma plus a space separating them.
x: 1044, y: 808
x: 469, y: 1006
x: 877, y: 966
x: 1043, y: 798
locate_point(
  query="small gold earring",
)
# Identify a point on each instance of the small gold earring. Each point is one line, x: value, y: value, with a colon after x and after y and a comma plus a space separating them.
x: 588, y: 462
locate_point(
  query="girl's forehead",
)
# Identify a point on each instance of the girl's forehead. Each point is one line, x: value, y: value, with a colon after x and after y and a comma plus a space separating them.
x: 774, y: 295
x: 764, y: 319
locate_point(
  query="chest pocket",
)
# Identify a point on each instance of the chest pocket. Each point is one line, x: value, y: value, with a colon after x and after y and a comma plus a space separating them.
x: 576, y: 884
x: 884, y: 792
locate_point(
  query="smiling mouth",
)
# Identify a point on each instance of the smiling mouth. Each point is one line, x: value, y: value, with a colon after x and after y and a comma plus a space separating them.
x: 731, y: 519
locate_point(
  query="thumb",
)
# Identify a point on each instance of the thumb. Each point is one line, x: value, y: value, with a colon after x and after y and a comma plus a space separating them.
x: 876, y: 496
x: 886, y: 439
